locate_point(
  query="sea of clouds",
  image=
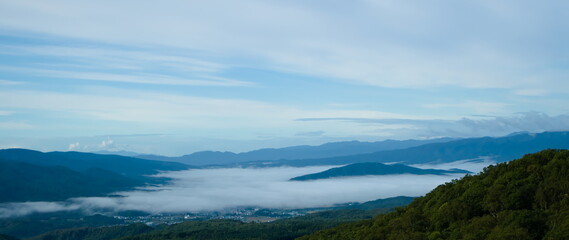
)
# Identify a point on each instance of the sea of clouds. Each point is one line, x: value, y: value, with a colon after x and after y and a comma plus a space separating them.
x: 199, y: 190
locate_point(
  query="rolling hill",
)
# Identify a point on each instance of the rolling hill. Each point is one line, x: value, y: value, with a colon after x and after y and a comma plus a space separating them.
x: 365, y: 169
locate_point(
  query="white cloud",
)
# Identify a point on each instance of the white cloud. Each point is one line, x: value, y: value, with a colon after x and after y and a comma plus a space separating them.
x: 107, y: 144
x: 531, y: 92
x: 5, y: 113
x: 472, y: 165
x: 73, y: 146
x: 26, y: 208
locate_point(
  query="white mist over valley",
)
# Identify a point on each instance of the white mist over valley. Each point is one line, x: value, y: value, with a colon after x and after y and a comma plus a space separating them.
x: 218, y: 189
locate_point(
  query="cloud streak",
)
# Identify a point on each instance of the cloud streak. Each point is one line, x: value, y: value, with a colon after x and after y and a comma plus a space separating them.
x: 107, y: 64
x: 154, y: 79
x: 467, y: 127
x: 26, y: 208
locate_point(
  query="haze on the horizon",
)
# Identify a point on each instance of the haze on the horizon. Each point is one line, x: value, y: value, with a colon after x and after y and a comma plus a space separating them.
x: 174, y: 77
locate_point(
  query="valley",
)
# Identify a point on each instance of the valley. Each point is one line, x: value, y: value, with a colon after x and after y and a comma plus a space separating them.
x: 204, y: 194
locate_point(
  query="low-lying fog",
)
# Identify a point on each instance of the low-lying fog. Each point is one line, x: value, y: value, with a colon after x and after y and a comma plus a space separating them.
x: 218, y: 189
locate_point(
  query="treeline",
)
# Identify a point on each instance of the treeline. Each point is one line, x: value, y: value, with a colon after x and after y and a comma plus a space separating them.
x: 95, y: 233
x: 522, y: 199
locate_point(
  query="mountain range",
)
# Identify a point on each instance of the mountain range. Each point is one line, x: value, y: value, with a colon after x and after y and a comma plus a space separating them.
x: 499, y: 149
x: 332, y: 149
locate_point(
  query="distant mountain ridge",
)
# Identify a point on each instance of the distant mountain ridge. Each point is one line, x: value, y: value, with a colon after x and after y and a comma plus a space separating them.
x: 78, y: 161
x: 332, y: 149
x: 373, y: 168
x: 120, y: 153
x: 499, y: 148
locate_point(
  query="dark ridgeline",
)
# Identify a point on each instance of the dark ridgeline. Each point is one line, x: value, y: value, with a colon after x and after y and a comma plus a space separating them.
x: 368, y: 169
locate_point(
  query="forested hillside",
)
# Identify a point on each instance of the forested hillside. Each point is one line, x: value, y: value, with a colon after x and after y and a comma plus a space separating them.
x: 27, y: 182
x: 526, y: 198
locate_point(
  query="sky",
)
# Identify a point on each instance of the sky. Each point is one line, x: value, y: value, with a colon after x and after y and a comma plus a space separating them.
x: 220, y: 189
x: 175, y: 77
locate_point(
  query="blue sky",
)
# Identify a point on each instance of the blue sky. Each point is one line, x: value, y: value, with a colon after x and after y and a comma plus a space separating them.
x: 181, y: 76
